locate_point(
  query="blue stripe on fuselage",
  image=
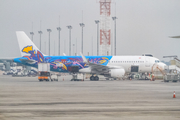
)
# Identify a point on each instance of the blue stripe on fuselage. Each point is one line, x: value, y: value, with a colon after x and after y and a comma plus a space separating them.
x: 63, y: 63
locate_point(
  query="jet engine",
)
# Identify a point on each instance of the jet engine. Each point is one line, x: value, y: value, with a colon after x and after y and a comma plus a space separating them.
x: 117, y: 73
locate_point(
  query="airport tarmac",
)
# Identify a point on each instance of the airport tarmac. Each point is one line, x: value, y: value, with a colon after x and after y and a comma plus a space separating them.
x: 25, y: 98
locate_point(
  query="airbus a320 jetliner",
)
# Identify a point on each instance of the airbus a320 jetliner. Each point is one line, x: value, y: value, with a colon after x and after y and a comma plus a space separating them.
x: 109, y: 66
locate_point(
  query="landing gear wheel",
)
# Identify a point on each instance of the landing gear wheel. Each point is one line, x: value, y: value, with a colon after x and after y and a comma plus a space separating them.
x: 96, y: 78
x: 92, y: 78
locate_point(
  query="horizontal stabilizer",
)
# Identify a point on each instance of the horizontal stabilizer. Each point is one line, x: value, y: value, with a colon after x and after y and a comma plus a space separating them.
x: 28, y: 61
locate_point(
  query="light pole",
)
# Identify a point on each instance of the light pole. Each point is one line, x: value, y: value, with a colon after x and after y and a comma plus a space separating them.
x: 73, y: 50
x: 64, y: 46
x: 40, y: 32
x: 97, y: 22
x: 92, y: 45
x: 59, y: 29
x: 69, y: 27
x: 114, y: 18
x: 76, y: 46
x: 49, y: 30
x: 45, y: 46
x: 32, y: 33
x: 82, y: 25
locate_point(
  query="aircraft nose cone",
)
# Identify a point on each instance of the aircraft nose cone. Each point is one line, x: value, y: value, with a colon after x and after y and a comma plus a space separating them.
x: 163, y: 66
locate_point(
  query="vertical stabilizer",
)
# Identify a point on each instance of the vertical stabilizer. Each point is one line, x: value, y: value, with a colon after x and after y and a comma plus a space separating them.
x: 25, y: 44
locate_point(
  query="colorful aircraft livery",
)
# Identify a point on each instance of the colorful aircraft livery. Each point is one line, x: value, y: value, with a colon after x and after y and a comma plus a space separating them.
x: 62, y: 63
x: 108, y: 66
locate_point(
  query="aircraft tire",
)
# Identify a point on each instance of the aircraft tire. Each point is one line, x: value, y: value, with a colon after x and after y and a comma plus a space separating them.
x: 92, y: 78
x: 96, y: 78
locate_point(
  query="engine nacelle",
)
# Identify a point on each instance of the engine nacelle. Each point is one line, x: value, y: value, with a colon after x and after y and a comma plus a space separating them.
x: 117, y: 73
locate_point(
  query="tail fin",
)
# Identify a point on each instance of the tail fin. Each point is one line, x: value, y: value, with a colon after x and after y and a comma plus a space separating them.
x: 25, y: 44
x: 28, y: 48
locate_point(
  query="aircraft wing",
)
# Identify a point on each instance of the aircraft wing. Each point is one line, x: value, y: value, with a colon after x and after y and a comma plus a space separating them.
x: 97, y: 68
x: 174, y: 36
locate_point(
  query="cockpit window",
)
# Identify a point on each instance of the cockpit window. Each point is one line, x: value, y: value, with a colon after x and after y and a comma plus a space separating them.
x: 157, y: 61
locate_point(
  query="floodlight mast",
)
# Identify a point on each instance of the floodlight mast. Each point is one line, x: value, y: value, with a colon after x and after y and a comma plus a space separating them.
x: 76, y: 46
x: 114, y: 19
x: 82, y: 25
x: 92, y: 46
x: 40, y: 32
x: 97, y: 22
x: 69, y: 27
x: 32, y: 33
x: 59, y: 29
x: 73, y: 49
x: 49, y: 30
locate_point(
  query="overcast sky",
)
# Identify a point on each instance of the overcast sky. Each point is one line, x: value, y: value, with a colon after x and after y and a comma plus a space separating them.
x: 143, y: 26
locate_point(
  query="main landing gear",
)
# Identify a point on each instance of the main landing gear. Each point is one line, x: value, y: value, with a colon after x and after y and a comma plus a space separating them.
x: 94, y: 78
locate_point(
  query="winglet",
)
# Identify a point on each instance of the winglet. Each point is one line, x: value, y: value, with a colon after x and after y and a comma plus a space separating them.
x: 64, y: 54
x: 84, y: 59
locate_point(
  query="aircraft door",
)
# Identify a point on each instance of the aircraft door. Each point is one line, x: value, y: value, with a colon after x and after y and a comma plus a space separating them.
x: 134, y: 68
x: 147, y: 61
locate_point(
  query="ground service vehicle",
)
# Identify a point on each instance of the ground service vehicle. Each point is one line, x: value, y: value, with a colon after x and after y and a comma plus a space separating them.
x: 44, y: 71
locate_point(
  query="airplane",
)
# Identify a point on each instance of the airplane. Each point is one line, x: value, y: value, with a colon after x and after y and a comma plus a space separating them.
x: 108, y: 66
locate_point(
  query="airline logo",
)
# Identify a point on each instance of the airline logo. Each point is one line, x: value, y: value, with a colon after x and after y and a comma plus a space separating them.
x: 33, y: 55
x: 27, y: 49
